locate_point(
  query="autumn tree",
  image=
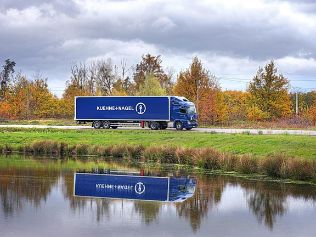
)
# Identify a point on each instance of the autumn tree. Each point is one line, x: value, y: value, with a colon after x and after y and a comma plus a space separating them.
x: 151, y: 87
x: 151, y: 65
x: 269, y: 93
x: 201, y: 87
x: 312, y: 114
x: 192, y: 82
x: 236, y: 102
x: 29, y: 99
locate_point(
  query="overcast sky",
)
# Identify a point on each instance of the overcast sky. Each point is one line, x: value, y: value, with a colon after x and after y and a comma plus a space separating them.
x: 233, y: 38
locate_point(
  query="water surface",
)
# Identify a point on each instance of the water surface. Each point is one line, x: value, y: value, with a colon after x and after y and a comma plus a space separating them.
x: 37, y: 200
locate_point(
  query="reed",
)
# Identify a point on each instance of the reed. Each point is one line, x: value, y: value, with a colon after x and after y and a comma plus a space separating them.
x: 209, y: 158
x: 277, y: 166
x: 271, y: 165
x: 298, y: 169
x: 247, y: 165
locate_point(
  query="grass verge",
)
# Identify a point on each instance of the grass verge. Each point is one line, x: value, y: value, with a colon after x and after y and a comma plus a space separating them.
x: 254, y: 145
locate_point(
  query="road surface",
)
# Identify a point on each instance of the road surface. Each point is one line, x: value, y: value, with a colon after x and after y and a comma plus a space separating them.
x: 206, y: 130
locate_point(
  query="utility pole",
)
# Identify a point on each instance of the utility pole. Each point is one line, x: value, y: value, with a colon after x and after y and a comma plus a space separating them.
x: 296, y: 103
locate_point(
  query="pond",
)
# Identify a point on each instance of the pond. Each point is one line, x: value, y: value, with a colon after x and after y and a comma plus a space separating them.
x: 37, y: 199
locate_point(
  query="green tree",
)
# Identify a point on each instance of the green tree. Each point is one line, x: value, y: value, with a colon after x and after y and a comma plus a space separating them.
x: 269, y: 92
x: 151, y: 86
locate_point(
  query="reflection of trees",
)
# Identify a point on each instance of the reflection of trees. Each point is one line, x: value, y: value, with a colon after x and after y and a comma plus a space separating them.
x: 267, y: 206
x: 207, y: 194
x: 101, y: 206
x: 18, y: 186
x: 149, y: 211
x: 269, y: 200
x: 266, y: 200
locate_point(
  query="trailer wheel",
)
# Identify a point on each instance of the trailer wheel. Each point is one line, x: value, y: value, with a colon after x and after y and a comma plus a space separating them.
x: 97, y: 124
x: 106, y: 124
x: 154, y: 125
x: 179, y: 126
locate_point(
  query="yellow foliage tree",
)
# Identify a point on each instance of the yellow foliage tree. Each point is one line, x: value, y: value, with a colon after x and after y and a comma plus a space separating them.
x: 269, y: 92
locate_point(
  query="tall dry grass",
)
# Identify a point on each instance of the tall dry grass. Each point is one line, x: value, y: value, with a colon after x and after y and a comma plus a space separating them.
x: 276, y: 166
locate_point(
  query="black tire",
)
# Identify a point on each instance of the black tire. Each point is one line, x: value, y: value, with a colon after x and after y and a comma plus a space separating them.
x: 106, y: 124
x: 154, y: 125
x: 188, y: 128
x: 114, y: 127
x: 97, y: 124
x: 179, y: 126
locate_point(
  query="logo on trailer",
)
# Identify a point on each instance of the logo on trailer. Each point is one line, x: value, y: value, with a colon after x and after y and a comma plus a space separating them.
x: 140, y: 108
x: 139, y: 188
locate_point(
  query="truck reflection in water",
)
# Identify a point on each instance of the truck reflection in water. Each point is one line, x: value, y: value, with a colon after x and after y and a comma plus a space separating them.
x: 132, y: 186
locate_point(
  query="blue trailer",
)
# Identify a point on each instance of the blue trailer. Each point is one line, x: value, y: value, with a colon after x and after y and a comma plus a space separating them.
x: 156, y: 112
x: 149, y: 188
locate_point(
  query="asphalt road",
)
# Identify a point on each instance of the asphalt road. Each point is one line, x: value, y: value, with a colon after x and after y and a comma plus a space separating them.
x: 206, y: 130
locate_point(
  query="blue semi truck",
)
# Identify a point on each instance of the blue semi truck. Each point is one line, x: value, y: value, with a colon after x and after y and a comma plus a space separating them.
x: 155, y: 112
x: 149, y: 188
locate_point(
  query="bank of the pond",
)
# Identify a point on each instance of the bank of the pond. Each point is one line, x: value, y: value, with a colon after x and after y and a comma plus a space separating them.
x: 276, y: 166
x: 255, y: 145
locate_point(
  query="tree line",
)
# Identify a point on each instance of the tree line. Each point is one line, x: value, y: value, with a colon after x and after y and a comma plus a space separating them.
x: 267, y: 97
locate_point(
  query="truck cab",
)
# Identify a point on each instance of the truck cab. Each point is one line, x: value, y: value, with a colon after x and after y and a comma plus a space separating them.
x: 183, y: 113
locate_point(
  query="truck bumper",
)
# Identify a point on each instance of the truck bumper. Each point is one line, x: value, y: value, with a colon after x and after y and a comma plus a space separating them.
x: 189, y: 124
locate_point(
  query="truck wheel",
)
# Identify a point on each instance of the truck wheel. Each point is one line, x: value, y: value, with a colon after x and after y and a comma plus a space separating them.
x: 114, y: 127
x: 154, y: 126
x: 179, y: 125
x: 106, y: 124
x: 97, y: 124
x: 188, y: 128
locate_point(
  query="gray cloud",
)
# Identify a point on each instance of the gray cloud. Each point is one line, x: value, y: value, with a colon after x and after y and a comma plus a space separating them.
x: 232, y: 37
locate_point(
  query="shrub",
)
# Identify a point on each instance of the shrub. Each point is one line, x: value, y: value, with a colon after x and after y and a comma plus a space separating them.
x: 118, y: 151
x: 135, y: 152
x: 168, y: 155
x: 247, y: 165
x: 185, y: 156
x: 63, y: 149
x: 45, y: 147
x: 298, y: 169
x: 272, y: 165
x: 82, y: 149
x: 229, y: 162
x: 209, y: 158
x: 153, y: 154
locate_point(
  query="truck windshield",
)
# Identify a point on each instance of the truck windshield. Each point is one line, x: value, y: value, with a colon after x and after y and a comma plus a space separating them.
x: 191, y: 109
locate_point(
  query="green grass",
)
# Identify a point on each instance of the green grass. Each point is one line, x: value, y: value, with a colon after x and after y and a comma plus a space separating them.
x: 256, y: 145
